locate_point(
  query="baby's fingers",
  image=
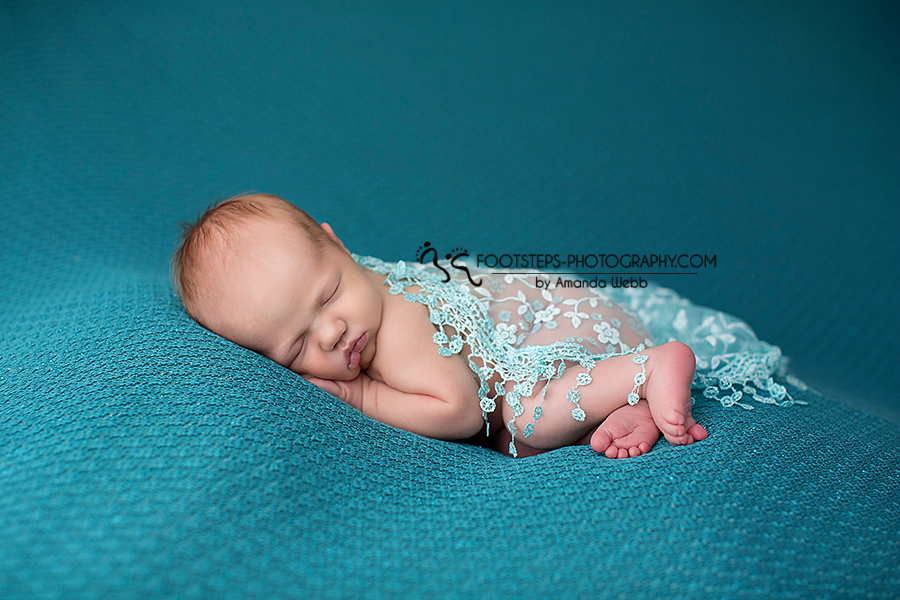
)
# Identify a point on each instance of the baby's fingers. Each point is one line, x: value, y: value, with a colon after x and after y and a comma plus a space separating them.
x: 332, y: 387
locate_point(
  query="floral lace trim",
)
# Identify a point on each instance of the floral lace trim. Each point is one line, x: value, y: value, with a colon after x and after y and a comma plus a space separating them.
x: 733, y: 365
x: 532, y: 315
x: 744, y: 376
x: 463, y: 320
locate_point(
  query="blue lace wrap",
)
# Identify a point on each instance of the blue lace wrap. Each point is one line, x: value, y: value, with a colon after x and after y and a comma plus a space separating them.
x: 499, y: 321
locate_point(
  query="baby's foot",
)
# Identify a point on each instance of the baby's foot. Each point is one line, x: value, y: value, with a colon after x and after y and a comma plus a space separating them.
x: 627, y: 431
x: 668, y: 391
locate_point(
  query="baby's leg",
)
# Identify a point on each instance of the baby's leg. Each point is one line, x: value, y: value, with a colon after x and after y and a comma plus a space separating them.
x: 612, y: 380
x: 629, y: 431
x: 502, y: 438
x: 669, y: 370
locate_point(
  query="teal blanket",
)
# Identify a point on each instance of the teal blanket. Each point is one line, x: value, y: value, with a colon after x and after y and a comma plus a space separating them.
x: 143, y: 457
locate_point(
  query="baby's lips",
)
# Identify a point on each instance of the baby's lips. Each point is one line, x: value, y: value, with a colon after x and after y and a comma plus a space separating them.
x: 353, y: 355
x: 361, y: 342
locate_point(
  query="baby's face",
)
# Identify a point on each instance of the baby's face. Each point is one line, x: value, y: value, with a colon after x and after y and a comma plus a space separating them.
x: 313, y: 311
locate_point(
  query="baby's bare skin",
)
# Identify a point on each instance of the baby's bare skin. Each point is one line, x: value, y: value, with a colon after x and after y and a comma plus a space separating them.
x: 628, y: 432
x: 314, y: 310
x: 632, y: 430
x: 406, y: 361
x: 624, y: 431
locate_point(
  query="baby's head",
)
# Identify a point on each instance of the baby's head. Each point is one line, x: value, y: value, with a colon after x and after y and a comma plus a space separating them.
x: 262, y: 273
x: 226, y: 233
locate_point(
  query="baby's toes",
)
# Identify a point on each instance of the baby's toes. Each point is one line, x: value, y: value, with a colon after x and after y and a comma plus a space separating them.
x: 697, y: 431
x: 616, y: 452
x: 673, y: 431
x: 671, y: 422
x: 677, y: 440
x: 694, y: 434
x: 601, y: 441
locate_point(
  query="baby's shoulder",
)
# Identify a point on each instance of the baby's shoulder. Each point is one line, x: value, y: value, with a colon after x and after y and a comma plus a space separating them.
x: 402, y: 319
x: 407, y: 357
x: 405, y: 329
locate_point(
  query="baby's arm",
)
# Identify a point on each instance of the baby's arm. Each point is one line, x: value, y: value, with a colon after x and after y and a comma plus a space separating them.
x: 439, y: 415
x: 409, y: 384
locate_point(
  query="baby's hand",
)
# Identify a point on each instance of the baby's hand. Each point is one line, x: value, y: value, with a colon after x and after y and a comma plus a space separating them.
x: 351, y: 392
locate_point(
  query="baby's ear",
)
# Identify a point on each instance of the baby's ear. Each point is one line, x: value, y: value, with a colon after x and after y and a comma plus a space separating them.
x: 330, y: 232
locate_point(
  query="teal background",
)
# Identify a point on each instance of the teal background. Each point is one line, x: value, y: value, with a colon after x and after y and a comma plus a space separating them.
x: 140, y: 456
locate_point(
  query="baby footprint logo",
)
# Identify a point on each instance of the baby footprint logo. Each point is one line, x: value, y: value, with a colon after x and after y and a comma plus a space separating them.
x: 459, y: 253
x: 427, y: 250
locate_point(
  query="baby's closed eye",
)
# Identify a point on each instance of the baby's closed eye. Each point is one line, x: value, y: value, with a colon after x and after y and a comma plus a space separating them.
x: 334, y: 292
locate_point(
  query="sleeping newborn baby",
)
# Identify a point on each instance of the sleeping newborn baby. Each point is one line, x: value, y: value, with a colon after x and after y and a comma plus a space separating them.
x: 416, y: 349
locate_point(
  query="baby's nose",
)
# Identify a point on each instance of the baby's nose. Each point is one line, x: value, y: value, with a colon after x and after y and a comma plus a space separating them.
x: 331, y: 335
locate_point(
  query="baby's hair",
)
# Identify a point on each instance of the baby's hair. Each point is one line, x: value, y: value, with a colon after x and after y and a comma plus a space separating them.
x: 217, y: 224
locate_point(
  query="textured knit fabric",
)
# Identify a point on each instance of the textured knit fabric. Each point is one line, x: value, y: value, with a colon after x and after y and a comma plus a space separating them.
x: 143, y: 457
